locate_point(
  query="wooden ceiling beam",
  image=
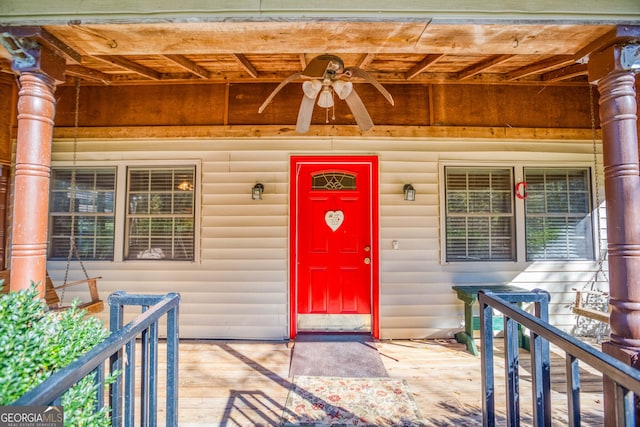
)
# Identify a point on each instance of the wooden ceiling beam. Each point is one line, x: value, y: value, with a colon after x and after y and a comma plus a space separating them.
x: 59, y: 47
x: 87, y: 74
x: 541, y: 66
x: 189, y: 65
x: 422, y: 65
x: 9, y: 79
x: 482, y: 66
x: 248, y: 67
x: 129, y: 65
x: 365, y: 60
x: 566, y: 73
x: 5, y: 66
x: 618, y: 34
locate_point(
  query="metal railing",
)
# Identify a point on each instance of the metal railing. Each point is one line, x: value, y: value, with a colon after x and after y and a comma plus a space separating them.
x: 625, y: 378
x: 118, y: 348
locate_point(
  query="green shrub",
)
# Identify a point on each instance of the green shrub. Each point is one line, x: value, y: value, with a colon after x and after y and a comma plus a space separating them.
x: 34, y: 343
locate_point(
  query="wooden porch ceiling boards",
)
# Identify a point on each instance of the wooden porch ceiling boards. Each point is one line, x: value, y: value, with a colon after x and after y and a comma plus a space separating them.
x: 269, y: 51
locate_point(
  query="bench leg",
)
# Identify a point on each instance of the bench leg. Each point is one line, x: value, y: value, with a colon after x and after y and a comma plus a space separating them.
x: 466, y: 337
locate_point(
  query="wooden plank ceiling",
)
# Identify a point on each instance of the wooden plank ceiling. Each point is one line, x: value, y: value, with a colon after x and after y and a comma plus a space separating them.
x: 248, y: 52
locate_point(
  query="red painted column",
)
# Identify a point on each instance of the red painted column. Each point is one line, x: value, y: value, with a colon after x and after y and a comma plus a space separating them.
x: 622, y: 188
x: 5, y: 174
x: 618, y: 118
x: 36, y: 111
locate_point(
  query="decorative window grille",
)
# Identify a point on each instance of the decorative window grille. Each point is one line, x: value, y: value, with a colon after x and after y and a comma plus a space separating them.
x: 333, y: 181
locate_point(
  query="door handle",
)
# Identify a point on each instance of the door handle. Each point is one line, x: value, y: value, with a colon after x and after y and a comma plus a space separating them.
x: 367, y: 260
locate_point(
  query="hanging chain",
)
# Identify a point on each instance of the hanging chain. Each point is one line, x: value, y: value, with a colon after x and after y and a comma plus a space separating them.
x: 597, y: 184
x: 73, y: 249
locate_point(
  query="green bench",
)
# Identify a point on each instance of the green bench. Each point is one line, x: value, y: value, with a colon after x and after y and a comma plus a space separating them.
x: 469, y: 295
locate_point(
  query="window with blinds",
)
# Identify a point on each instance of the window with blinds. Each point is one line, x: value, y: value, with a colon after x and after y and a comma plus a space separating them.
x: 558, y: 214
x: 81, y: 206
x: 479, y: 214
x: 160, y: 214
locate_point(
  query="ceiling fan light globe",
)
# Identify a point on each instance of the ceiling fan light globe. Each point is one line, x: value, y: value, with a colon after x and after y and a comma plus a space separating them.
x: 311, y: 88
x: 326, y: 98
x: 342, y: 88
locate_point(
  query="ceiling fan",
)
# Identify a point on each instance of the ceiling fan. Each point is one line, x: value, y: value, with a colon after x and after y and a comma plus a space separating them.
x: 325, y: 76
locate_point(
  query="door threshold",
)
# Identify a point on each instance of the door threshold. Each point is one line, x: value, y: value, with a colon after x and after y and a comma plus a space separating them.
x: 358, y: 323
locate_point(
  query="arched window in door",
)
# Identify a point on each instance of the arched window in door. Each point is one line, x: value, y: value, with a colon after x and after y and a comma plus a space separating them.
x: 333, y: 181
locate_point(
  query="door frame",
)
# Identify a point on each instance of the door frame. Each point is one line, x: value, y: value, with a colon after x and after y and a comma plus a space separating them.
x: 370, y: 160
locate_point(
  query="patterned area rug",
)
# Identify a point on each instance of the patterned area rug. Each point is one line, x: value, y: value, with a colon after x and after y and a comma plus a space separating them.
x: 331, y: 401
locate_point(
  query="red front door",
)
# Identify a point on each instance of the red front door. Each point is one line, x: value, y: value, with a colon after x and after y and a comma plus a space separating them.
x: 334, y: 244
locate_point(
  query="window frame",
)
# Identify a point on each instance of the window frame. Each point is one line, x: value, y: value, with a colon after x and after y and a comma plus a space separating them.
x: 489, y: 215
x: 150, y: 216
x: 518, y: 168
x: 121, y: 203
x: 52, y: 215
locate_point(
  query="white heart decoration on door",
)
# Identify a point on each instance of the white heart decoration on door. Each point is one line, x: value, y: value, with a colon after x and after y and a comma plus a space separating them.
x: 334, y: 219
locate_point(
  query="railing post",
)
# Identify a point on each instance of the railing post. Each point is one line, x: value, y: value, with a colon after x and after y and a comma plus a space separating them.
x: 145, y: 381
x: 116, y: 320
x: 572, y: 369
x: 511, y: 373
x: 541, y: 365
x: 153, y: 374
x: 488, y: 374
x: 172, y: 366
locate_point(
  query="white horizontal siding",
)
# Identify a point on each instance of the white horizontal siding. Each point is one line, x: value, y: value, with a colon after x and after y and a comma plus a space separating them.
x: 238, y: 288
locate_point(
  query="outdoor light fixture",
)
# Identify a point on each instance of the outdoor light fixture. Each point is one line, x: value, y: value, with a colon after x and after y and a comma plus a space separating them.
x: 256, y: 191
x: 409, y: 192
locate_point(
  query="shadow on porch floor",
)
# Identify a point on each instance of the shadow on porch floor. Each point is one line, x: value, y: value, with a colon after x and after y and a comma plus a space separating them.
x: 241, y: 383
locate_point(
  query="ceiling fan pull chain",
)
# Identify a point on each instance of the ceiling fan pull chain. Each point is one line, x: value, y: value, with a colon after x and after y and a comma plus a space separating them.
x: 333, y: 114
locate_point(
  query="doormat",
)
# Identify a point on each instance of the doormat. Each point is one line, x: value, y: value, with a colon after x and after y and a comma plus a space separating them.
x: 336, y: 355
x: 326, y: 401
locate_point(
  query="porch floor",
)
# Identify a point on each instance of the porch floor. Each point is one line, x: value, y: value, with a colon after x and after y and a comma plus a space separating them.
x: 242, y: 383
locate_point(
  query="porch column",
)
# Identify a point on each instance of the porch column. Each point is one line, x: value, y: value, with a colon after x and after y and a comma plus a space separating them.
x: 614, y: 68
x: 40, y: 71
x: 8, y: 105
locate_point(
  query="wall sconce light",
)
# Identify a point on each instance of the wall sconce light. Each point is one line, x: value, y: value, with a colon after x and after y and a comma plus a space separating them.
x: 409, y: 192
x: 256, y: 191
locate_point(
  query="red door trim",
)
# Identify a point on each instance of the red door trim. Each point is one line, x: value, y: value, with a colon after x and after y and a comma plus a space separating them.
x: 372, y: 161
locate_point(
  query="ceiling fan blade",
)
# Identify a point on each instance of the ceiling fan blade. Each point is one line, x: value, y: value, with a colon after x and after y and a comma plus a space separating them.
x: 360, y: 73
x: 360, y: 113
x: 305, y: 113
x: 276, y: 90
